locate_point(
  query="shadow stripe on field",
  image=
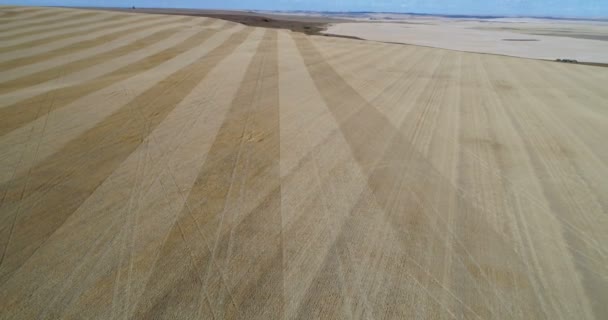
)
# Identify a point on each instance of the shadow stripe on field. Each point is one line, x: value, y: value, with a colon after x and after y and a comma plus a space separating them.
x: 89, y: 27
x: 42, y: 14
x: 26, y: 22
x: 49, y: 27
x: 60, y: 184
x: 399, y: 186
x: 43, y: 26
x: 234, y: 209
x: 81, y: 45
x: 77, y: 65
x: 148, y: 190
x: 24, y: 112
x: 331, y: 284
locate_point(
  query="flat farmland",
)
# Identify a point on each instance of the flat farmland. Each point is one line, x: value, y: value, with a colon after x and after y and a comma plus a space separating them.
x: 179, y: 167
x: 536, y: 38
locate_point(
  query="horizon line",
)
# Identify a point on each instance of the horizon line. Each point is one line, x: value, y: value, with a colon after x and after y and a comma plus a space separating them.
x: 446, y: 15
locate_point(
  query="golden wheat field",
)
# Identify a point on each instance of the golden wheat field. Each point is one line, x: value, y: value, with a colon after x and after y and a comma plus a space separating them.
x: 178, y: 167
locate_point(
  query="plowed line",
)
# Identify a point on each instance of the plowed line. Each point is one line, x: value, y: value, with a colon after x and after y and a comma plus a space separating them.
x: 71, y: 182
x: 49, y: 74
x: 40, y: 15
x: 49, y: 26
x: 252, y: 113
x: 90, y: 28
x: 78, y: 46
x: 24, y: 112
x: 125, y: 40
x: 51, y: 50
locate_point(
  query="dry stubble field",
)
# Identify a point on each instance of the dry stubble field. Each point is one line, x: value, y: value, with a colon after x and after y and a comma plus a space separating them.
x: 171, y: 167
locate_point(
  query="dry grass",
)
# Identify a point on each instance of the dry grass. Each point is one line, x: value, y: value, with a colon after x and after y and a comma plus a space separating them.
x: 162, y: 166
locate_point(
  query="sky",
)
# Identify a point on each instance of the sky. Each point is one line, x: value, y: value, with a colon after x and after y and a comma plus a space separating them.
x: 554, y: 8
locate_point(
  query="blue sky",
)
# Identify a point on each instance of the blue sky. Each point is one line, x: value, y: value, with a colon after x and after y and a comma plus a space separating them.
x: 559, y: 8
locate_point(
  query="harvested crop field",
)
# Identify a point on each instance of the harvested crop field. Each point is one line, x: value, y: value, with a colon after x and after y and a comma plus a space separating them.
x: 180, y: 167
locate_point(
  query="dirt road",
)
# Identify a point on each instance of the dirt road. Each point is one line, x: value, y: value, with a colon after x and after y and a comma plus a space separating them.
x: 179, y: 167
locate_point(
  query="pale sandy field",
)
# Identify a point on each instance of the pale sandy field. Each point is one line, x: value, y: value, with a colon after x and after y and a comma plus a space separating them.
x: 585, y: 41
x: 171, y: 167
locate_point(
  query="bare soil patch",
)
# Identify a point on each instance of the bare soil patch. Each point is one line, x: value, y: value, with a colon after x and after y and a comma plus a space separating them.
x: 311, y: 25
